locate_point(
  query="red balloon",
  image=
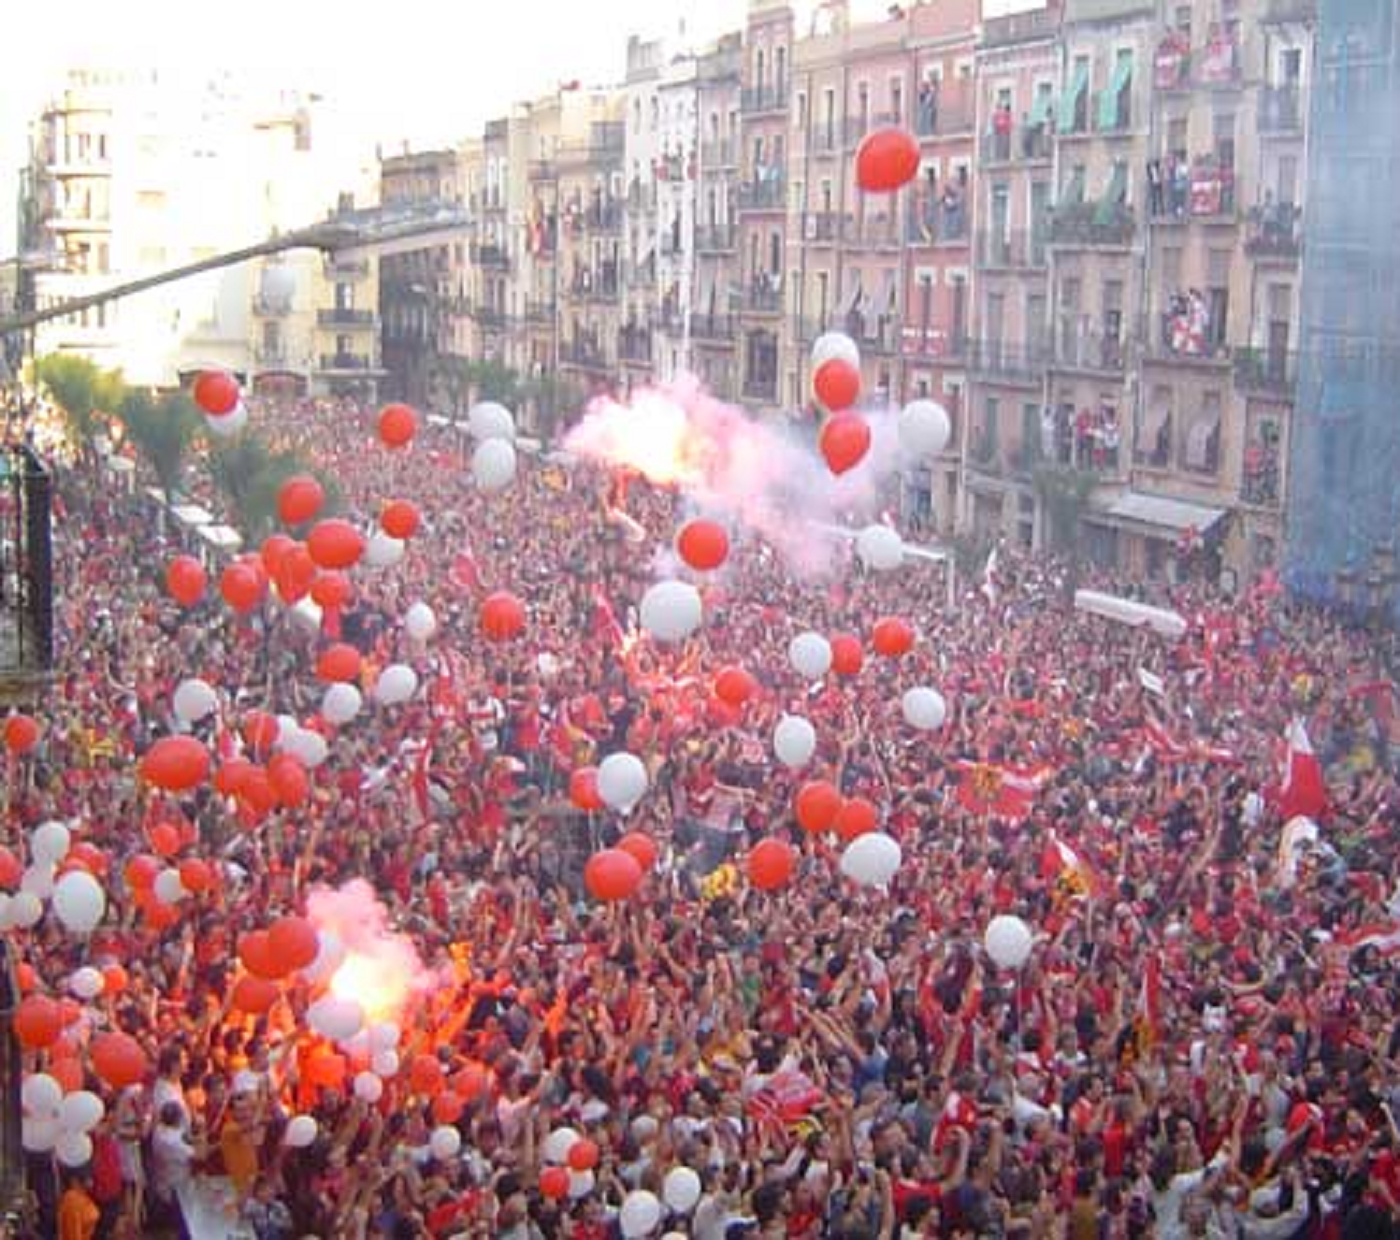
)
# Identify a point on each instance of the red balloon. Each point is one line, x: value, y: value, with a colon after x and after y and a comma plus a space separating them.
x: 502, y: 617
x: 554, y: 1183
x: 326, y: 1069
x: 734, y: 686
x: 240, y: 587
x: 165, y: 839
x: 295, y: 572
x: 582, y: 1155
x: 21, y: 734
x: 338, y: 663
x: 175, y: 764
x: 118, y: 1059
x: 771, y: 863
x: 37, y: 1022
x: 640, y: 847
x: 216, y: 392
x: 260, y: 731
x: 845, y: 440
x: 273, y: 551
x: 704, y: 545
x: 583, y: 790
x: 255, y: 953
x: 886, y: 159
x: 817, y: 805
x: 448, y: 1107
x: 397, y: 425
x: 185, y: 580
x: 891, y: 637
x: 88, y: 857
x: 293, y: 942
x: 334, y: 544
x: 288, y: 779
x: 331, y: 590
x: 837, y: 384
x: 11, y: 871
x: 195, y: 875
x: 425, y: 1075
x: 114, y: 979
x: 857, y: 817
x: 231, y: 776
x: 847, y: 657
x: 470, y: 1082
x: 399, y: 519
x: 299, y: 499
x: 140, y: 872
x: 612, y: 875
x: 254, y: 995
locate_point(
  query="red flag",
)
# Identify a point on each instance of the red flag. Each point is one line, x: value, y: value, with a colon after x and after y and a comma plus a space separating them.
x: 1061, y: 863
x: 465, y: 574
x: 1148, y: 1019
x: 1303, y: 792
x: 1000, y: 791
x: 1383, y: 936
x: 605, y: 622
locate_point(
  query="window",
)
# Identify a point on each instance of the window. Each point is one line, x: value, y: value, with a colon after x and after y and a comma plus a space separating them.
x: 775, y: 253
x: 802, y: 110
x: 897, y: 100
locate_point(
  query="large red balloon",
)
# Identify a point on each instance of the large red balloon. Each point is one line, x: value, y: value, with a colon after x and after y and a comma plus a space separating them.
x: 273, y: 552
x: 886, y: 159
x: 399, y: 519
x: 554, y: 1183
x: 582, y: 1155
x: 11, y: 868
x: 288, y: 779
x: 640, y: 847
x: 37, y: 1022
x: 216, y: 392
x: 255, y: 953
x: 165, y: 839
x: 21, y: 734
x: 502, y: 617
x: 847, y: 657
x: 397, y: 425
x: 583, y: 790
x: 240, y: 587
x: 293, y: 942
x: 195, y: 875
x: 338, y: 663
x: 185, y: 580
x: 334, y: 543
x: 704, y: 545
x: 734, y: 686
x: 331, y: 590
x: 299, y: 499
x: 140, y: 872
x: 817, y: 805
x: 892, y: 637
x: 771, y: 863
x: 254, y: 995
x: 845, y: 440
x: 257, y: 795
x: 425, y: 1075
x: 175, y: 763
x: 612, y: 875
x: 857, y: 817
x: 118, y: 1059
x: 295, y: 572
x: 837, y: 384
x: 260, y: 731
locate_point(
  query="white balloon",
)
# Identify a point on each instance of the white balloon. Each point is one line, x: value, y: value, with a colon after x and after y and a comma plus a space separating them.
x: 385, y: 1063
x: 622, y: 781
x: 40, y: 1095
x: 25, y: 910
x: 671, y: 611
x: 880, y: 548
x: 580, y: 1184
x: 38, y: 879
x: 81, y: 1111
x: 445, y: 1143
x: 924, y: 429
x: 810, y: 655
x: 1008, y: 941
x: 368, y: 1087
x: 872, y: 860
x: 924, y: 708
x: 488, y: 420
x: 330, y: 955
x: 835, y: 344
x: 384, y: 551
x: 301, y: 1132
x: 73, y: 1149
x: 39, y: 1135
x: 419, y: 622
x: 85, y: 983
x: 335, y: 1018
x: 340, y: 704
x: 493, y: 465
x: 168, y: 887
x: 50, y: 842
x: 641, y: 1214
x: 794, y: 741
x: 384, y: 1036
x: 194, y: 700
x: 397, y: 683
x: 229, y: 424
x: 79, y: 902
x: 309, y: 748
x: 681, y: 1189
x: 555, y: 1148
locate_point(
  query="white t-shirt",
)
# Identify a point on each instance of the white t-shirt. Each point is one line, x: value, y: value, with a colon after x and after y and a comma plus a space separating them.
x: 172, y: 1158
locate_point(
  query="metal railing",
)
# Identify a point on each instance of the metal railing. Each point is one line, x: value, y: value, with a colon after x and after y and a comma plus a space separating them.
x: 582, y: 353
x: 928, y: 341
x: 720, y: 154
x: 343, y: 316
x: 1088, y: 224
x: 1176, y: 341
x: 758, y: 300
x: 542, y: 170
x: 26, y: 567
x: 773, y: 97
x: 1020, y: 27
x: 935, y: 223
x: 1267, y: 372
x: 716, y: 238
x: 1274, y: 232
x: 634, y: 346
x: 768, y: 195
x: 1280, y: 109
x: 1015, y: 145
x: 272, y: 307
x: 1089, y: 348
x: 346, y: 361
x: 490, y: 254
x: 715, y: 327
x: 1000, y: 359
x: 1011, y: 249
x: 761, y: 387
x: 936, y: 118
x: 872, y: 232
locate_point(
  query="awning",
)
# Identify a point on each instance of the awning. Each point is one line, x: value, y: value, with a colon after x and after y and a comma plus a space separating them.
x: 1108, y: 101
x: 1114, y: 194
x: 221, y: 537
x: 1170, y: 517
x: 1040, y: 108
x: 1070, y: 98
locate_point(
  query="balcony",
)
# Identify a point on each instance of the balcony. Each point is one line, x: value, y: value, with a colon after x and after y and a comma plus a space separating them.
x: 757, y: 100
x: 826, y: 138
x: 1205, y: 195
x: 934, y: 344
x: 1280, y: 110
x: 634, y: 345
x: 763, y: 195
x: 265, y: 307
x: 490, y: 318
x: 999, y: 361
x: 641, y: 197
x: 716, y: 239
x: 936, y: 117
x: 274, y: 357
x: 1020, y: 27
x: 491, y: 256
x: 584, y: 354
x: 356, y: 363
x: 1271, y: 373
x: 1092, y: 225
x: 762, y: 386
x: 874, y: 232
x: 604, y: 218
x: 1018, y: 144
x: 1186, y: 336
x: 26, y: 558
x: 713, y: 328
x: 859, y: 124
x: 719, y: 154
x: 344, y: 316
x: 1288, y: 12
x: 1274, y: 234
x: 540, y: 312
x: 78, y: 219
x: 1085, y: 347
x: 761, y: 299
x: 337, y: 268
x: 1011, y: 251
x: 542, y: 170
x: 822, y: 227
x: 643, y: 277
x: 928, y: 223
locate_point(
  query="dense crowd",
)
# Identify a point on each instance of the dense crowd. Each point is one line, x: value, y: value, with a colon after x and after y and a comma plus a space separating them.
x: 1203, y: 1042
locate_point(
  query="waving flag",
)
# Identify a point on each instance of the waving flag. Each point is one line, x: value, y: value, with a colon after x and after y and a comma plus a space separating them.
x: 1383, y: 936
x: 1303, y: 794
x: 1000, y: 791
x: 1147, y: 1020
x: 989, y: 580
x: 1062, y: 864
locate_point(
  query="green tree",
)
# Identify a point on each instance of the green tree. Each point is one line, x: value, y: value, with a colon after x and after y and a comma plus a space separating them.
x: 248, y: 475
x: 82, y: 389
x: 1065, y: 492
x: 162, y: 428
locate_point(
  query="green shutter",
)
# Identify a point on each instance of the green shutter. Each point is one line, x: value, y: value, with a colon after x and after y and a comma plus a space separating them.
x: 1113, y: 195
x: 1040, y: 109
x: 1108, y: 101
x: 1071, y: 97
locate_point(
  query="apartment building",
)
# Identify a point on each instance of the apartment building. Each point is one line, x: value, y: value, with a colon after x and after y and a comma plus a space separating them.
x: 642, y: 233
x: 676, y: 177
